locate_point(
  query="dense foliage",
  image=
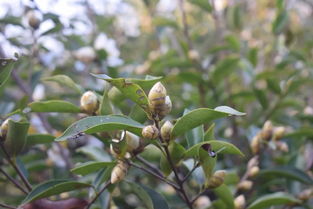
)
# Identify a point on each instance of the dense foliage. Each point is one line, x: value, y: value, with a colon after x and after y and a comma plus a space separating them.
x: 149, y: 104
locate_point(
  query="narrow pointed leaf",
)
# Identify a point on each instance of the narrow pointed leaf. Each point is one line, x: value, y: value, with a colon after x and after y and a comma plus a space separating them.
x: 53, y: 187
x: 90, y: 167
x: 158, y: 200
x: 94, y: 124
x: 278, y: 198
x: 229, y: 110
x: 225, y: 195
x: 34, y: 139
x: 6, y: 66
x: 64, y: 80
x: 54, y: 106
x: 142, y: 194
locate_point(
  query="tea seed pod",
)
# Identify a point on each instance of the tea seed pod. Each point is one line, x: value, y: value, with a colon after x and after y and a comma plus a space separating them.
x: 119, y: 172
x: 33, y: 19
x: 267, y: 130
x: 166, y: 130
x: 157, y: 96
x: 240, y: 202
x: 133, y: 141
x: 217, y: 179
x: 279, y: 133
x: 255, y: 144
x: 4, y: 129
x: 254, y: 171
x: 150, y: 132
x: 89, y: 102
x: 245, y: 185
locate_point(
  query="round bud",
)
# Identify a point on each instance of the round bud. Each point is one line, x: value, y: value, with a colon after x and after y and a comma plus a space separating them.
x: 150, y: 132
x: 85, y: 54
x: 245, y: 185
x: 267, y: 130
x: 165, y: 109
x: 240, y: 202
x: 254, y: 171
x: 217, y: 179
x: 166, y: 130
x: 306, y: 194
x: 255, y: 144
x: 202, y: 202
x: 282, y: 146
x: 193, y: 55
x: 133, y: 141
x: 279, y: 133
x: 157, y: 96
x: 89, y: 102
x: 4, y: 129
x: 253, y: 162
x: 119, y: 172
x: 33, y: 19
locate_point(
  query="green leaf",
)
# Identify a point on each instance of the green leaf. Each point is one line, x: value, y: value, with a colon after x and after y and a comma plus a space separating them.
x: 194, y: 135
x: 54, y: 106
x: 209, y: 133
x: 225, y: 195
x: 64, y: 80
x: 253, y: 56
x: 278, y: 198
x: 177, y: 152
x: 142, y: 194
x: 94, y: 124
x: 90, y: 167
x: 105, y: 105
x: 6, y: 66
x: 53, y: 187
x: 223, y: 68
x: 16, y: 137
x: 261, y: 97
x: 229, y: 110
x: 39, y: 139
x: 158, y: 200
x: 302, y: 132
x: 202, y: 4
x: 287, y: 172
x: 148, y: 82
x: 227, y: 148
x: 207, y: 163
x: 195, y: 118
x: 280, y: 22
x: 130, y: 90
x: 163, y: 22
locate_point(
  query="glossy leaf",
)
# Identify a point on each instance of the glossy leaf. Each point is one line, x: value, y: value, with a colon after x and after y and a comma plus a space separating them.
x: 142, y: 194
x: 302, y: 132
x: 207, y: 163
x: 195, y: 118
x: 223, y: 68
x: 202, y: 4
x: 64, y: 80
x: 129, y: 89
x: 278, y: 198
x: 158, y: 200
x: 6, y: 66
x: 16, y: 137
x: 209, y: 133
x: 229, y: 110
x: 195, y: 135
x: 177, y: 152
x: 90, y: 167
x: 34, y: 139
x: 287, y: 172
x: 53, y: 187
x: 54, y: 106
x: 94, y: 124
x: 225, y: 195
x: 227, y: 148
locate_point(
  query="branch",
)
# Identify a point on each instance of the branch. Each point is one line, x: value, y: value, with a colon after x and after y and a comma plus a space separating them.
x: 190, y: 172
x: 13, y: 181
x: 17, y: 169
x: 149, y: 165
x: 7, y: 206
x: 98, y: 194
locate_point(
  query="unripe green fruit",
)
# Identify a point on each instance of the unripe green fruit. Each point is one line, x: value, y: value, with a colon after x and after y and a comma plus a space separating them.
x: 89, y: 102
x: 150, y: 132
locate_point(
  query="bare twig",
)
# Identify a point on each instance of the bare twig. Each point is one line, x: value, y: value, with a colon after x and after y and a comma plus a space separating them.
x: 7, y: 206
x: 16, y: 168
x: 190, y: 172
x: 98, y: 194
x: 149, y: 165
x: 17, y: 184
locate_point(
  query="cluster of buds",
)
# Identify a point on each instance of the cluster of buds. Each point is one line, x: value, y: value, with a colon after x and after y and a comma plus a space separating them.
x: 119, y: 172
x: 89, y: 102
x: 159, y: 103
x: 216, y: 180
x: 269, y: 133
x: 4, y: 129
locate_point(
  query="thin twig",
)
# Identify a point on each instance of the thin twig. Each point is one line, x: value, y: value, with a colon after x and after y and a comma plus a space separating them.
x: 155, y: 175
x: 149, y: 165
x: 17, y: 184
x: 7, y: 206
x: 98, y: 194
x: 190, y: 172
x: 17, y: 169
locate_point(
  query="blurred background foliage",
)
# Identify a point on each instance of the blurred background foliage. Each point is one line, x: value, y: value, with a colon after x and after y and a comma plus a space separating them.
x: 254, y: 56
